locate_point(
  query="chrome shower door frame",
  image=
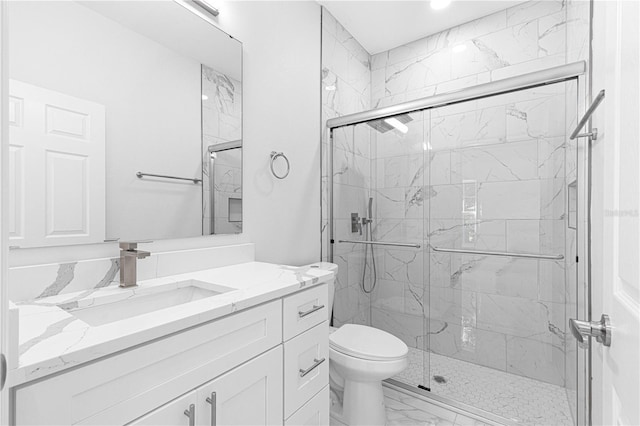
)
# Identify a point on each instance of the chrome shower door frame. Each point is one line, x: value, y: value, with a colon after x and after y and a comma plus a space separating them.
x: 570, y: 72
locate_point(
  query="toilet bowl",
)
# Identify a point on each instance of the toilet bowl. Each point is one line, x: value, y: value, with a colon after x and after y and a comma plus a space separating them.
x: 360, y: 358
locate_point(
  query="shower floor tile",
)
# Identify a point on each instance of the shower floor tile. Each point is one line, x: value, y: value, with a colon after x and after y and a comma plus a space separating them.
x: 512, y: 397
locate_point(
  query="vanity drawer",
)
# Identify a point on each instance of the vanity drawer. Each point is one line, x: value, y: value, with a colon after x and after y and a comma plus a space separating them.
x: 304, y: 310
x: 306, y: 367
x: 122, y: 387
x: 313, y: 413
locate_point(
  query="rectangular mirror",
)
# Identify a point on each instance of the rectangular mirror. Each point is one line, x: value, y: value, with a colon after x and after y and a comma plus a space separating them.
x: 126, y: 123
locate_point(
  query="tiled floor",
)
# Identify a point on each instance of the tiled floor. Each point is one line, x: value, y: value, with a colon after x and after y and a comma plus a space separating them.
x: 513, y: 397
x: 406, y: 410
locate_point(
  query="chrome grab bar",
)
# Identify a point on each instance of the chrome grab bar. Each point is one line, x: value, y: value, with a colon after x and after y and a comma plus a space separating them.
x: 501, y: 253
x: 316, y: 363
x: 587, y: 115
x: 380, y: 243
x: 310, y: 311
x: 141, y: 175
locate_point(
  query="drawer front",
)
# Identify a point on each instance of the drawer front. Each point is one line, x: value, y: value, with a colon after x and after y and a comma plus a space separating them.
x: 306, y: 367
x: 304, y: 310
x: 313, y: 413
x: 127, y: 385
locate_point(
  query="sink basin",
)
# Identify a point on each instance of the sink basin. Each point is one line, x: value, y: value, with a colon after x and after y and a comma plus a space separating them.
x: 102, y: 312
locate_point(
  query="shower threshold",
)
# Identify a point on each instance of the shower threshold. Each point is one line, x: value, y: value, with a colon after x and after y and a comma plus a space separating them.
x: 496, y: 396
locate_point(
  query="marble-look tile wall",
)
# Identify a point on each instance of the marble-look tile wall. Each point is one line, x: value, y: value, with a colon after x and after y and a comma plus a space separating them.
x: 481, y: 175
x: 346, y: 80
x: 221, y: 122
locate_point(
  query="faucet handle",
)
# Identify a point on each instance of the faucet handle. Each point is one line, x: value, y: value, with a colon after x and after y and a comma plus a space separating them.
x: 128, y: 245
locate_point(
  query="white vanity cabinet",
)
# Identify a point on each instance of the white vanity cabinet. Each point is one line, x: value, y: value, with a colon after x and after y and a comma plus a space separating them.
x: 250, y: 394
x: 240, y: 369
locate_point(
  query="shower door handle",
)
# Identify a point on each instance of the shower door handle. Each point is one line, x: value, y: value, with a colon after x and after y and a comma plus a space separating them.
x: 601, y: 330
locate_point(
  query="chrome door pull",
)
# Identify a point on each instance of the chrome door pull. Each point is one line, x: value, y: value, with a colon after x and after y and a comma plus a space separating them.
x: 601, y: 330
x: 212, y: 400
x: 191, y: 413
x: 310, y: 311
x: 316, y: 363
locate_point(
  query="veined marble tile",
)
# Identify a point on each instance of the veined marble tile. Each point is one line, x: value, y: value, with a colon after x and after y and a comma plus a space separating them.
x: 552, y: 34
x: 349, y: 199
x: 552, y: 198
x: 388, y: 295
x: 409, y: 328
x: 551, y: 158
x: 439, y: 266
x: 335, y: 56
x: 488, y: 24
x: 510, y: 200
x: 515, y: 316
x: 541, y: 361
x: 445, y: 201
x: 531, y: 10
x: 405, y: 265
x: 446, y: 233
x: 495, y: 275
x: 502, y: 162
x: 500, y: 49
x: 394, y: 143
x: 551, y: 281
x: 533, y: 65
x: 478, y: 127
x: 541, y: 118
x: 358, y: 74
x: 390, y: 203
x: 400, y: 171
x: 470, y: 344
x: 439, y: 167
x: 418, y: 72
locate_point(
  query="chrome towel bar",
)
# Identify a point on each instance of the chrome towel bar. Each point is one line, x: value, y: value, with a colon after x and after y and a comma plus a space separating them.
x: 141, y: 175
x: 380, y: 243
x: 501, y: 253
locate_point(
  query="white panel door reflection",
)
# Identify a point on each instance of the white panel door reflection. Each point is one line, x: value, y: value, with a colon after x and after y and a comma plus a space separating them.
x: 57, y: 168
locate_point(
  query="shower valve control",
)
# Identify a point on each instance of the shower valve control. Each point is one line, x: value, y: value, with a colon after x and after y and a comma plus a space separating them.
x: 356, y: 226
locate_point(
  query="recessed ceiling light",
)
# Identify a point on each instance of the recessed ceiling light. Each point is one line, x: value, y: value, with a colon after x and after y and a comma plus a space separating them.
x: 459, y: 48
x: 397, y: 124
x: 439, y: 4
x: 332, y: 87
x: 205, y: 97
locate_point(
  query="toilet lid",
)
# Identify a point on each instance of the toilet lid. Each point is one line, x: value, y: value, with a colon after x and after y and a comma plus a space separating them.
x: 365, y: 342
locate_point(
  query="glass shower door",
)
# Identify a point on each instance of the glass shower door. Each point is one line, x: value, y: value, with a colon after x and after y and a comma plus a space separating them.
x: 500, y: 279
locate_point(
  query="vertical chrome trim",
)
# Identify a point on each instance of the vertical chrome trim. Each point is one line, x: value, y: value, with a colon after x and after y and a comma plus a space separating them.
x: 330, y: 189
x: 212, y: 193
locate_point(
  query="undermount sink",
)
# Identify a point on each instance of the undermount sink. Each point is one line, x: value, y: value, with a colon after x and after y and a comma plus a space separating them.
x: 155, y: 299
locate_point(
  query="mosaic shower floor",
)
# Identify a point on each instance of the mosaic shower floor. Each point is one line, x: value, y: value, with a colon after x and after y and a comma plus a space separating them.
x: 517, y: 398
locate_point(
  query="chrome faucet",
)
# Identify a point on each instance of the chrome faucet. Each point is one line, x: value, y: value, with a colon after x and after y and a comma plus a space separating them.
x: 129, y: 255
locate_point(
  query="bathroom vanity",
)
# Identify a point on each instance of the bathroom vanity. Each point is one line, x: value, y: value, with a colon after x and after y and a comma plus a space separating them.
x: 243, y: 344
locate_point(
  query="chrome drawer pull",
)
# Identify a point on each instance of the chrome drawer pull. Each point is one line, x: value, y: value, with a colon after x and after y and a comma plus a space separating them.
x: 316, y: 363
x: 191, y: 413
x: 212, y: 400
x: 310, y: 311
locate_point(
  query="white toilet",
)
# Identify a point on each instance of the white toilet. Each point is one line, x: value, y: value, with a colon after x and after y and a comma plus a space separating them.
x: 360, y: 358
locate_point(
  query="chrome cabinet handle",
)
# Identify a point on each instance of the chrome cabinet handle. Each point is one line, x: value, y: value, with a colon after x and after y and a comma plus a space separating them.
x: 191, y: 413
x: 212, y: 400
x: 310, y: 311
x: 316, y: 363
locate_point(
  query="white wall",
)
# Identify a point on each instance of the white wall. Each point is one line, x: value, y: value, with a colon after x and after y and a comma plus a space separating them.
x: 281, y: 88
x: 281, y: 42
x: 152, y: 100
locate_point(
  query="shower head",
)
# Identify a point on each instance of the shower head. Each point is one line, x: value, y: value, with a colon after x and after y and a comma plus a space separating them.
x: 383, y: 125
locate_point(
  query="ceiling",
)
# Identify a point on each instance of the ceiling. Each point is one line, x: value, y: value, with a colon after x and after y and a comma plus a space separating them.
x: 384, y: 24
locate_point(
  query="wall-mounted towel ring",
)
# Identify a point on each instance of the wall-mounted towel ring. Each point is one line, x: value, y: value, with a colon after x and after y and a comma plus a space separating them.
x: 274, y: 156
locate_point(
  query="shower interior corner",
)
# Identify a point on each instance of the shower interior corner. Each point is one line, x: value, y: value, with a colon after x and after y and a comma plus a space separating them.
x: 471, y: 184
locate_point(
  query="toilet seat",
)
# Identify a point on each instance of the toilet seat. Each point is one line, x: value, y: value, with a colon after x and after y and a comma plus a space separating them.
x: 367, y: 343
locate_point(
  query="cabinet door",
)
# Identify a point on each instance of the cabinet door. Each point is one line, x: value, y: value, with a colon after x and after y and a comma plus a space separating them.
x: 172, y: 413
x: 247, y: 395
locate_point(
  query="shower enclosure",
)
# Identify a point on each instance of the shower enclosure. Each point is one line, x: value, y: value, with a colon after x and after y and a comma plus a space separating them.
x: 476, y: 231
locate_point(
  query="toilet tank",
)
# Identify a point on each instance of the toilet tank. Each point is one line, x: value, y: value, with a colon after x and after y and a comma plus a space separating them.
x: 326, y: 266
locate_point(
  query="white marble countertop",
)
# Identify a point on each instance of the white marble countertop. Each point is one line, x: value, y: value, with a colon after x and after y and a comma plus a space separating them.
x: 51, y: 339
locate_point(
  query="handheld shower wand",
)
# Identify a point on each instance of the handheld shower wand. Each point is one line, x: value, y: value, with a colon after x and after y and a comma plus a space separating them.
x: 367, y: 224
